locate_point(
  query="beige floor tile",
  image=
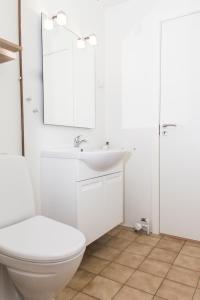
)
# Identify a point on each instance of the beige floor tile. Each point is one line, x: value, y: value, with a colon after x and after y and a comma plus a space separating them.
x: 137, y: 248
x: 115, y: 257
x: 107, y: 253
x: 127, y: 293
x: 127, y: 235
x: 92, y: 248
x: 170, y: 244
x: 172, y: 238
x: 163, y: 255
x: 197, y: 295
x: 191, y: 251
x: 129, y: 259
x: 117, y: 272
x: 118, y: 243
x: 175, y: 291
x: 148, y: 240
x: 93, y: 264
x: 126, y: 228
x: 188, y: 262
x: 104, y: 239
x: 155, y: 267
x: 158, y: 236
x: 67, y: 294
x: 192, y: 243
x: 80, y: 280
x: 184, y: 276
x: 114, y: 231
x: 102, y: 288
x: 81, y: 296
x: 145, y: 282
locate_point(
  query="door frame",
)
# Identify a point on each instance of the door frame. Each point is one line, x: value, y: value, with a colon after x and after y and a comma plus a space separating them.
x: 156, y: 155
x: 21, y: 77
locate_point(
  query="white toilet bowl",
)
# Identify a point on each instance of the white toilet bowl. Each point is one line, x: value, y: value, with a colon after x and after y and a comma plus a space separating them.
x: 39, y: 255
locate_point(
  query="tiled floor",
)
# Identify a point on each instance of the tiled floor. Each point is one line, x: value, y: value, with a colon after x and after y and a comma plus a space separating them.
x: 123, y: 265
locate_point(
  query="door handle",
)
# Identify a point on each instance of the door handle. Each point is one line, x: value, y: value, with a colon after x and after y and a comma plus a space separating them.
x: 169, y: 125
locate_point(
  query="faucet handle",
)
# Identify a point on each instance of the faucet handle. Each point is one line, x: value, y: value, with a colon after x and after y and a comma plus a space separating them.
x: 77, y: 138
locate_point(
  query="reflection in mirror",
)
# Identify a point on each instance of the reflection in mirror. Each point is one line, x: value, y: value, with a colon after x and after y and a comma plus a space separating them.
x: 68, y: 79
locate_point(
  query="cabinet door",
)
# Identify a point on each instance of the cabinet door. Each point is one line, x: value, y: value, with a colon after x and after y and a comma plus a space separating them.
x: 90, y: 208
x: 113, y: 188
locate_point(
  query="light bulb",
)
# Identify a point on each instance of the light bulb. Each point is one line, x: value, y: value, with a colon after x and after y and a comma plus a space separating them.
x: 80, y: 43
x: 61, y: 18
x: 48, y: 23
x: 92, y: 40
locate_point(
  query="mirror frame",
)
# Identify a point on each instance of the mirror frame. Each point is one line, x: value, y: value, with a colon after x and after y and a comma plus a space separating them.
x: 95, y: 88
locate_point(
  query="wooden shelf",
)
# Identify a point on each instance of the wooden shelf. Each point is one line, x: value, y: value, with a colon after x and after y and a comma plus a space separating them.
x: 9, y: 46
x: 8, y: 50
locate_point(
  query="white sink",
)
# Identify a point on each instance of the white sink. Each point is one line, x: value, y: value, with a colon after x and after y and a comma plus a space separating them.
x: 101, y: 160
x: 98, y: 160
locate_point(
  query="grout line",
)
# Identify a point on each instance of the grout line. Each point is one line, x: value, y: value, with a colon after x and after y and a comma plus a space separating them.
x: 110, y: 262
x: 196, y: 288
x: 198, y: 257
x: 165, y: 278
x: 153, y: 274
x: 113, y: 261
x: 172, y: 264
x: 138, y: 267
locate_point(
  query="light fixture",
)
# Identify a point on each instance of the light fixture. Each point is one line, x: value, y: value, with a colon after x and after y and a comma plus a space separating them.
x: 80, y: 43
x: 92, y: 40
x: 61, y: 18
x: 48, y: 23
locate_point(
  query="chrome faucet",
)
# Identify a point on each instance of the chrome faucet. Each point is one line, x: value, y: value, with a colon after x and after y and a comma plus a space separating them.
x: 78, y: 141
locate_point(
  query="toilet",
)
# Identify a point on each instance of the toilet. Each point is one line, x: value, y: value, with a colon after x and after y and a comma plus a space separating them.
x: 38, y: 256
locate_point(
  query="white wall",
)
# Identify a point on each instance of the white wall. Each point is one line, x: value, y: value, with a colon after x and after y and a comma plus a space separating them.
x: 10, y: 123
x: 132, y: 87
x: 132, y: 94
x: 85, y: 17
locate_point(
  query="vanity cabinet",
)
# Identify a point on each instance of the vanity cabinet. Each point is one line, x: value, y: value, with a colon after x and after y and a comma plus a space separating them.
x: 89, y: 200
x: 99, y: 205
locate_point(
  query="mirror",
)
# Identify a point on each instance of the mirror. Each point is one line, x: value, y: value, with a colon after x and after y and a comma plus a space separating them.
x: 68, y: 79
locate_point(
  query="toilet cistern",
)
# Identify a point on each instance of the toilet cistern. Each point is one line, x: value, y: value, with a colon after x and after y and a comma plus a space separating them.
x: 78, y: 141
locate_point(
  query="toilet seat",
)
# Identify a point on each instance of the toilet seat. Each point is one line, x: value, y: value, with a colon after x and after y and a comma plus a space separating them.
x: 41, y: 240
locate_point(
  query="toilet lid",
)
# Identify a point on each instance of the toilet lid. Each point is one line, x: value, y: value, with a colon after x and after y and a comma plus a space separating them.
x: 40, y: 239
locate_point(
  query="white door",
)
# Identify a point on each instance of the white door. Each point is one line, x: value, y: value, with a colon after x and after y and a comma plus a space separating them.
x: 180, y: 127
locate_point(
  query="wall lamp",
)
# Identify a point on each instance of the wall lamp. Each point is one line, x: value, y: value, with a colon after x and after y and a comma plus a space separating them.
x: 60, y: 19
x: 91, y: 39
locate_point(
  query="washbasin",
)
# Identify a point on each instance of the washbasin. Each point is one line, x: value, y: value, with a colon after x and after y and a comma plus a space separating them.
x: 100, y: 160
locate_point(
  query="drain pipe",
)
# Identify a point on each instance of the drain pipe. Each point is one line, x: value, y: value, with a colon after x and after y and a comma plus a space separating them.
x: 143, y: 225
